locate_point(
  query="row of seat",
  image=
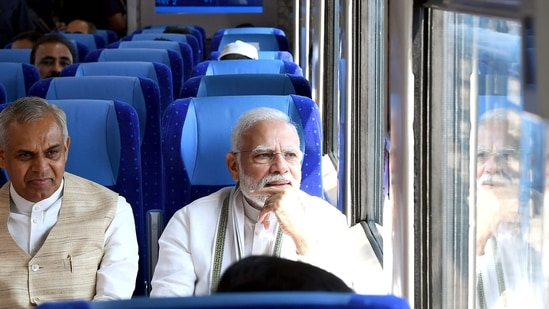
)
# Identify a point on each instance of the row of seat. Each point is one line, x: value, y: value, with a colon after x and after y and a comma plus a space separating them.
x: 154, y: 144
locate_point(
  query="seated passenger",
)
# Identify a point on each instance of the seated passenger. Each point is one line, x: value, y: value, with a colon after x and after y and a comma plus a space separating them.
x: 51, y: 54
x: 63, y: 237
x: 270, y: 273
x: 266, y: 213
x: 26, y: 39
x: 238, y: 50
x: 81, y: 26
x: 177, y: 30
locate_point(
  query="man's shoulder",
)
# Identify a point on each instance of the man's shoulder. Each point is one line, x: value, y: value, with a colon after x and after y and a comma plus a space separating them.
x: 72, y: 180
x: 211, y: 200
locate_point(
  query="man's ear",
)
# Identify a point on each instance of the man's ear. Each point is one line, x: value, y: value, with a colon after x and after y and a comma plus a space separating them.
x: 2, y: 158
x: 232, y: 165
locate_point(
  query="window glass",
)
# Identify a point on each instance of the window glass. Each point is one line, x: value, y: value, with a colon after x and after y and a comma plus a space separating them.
x: 494, y: 166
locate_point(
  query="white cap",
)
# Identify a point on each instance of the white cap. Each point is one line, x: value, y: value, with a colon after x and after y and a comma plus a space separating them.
x: 241, y: 48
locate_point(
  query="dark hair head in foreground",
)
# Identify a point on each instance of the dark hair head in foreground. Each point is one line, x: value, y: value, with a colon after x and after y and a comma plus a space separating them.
x: 269, y: 273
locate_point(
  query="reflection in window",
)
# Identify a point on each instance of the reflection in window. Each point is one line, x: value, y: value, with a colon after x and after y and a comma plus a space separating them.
x: 480, y: 91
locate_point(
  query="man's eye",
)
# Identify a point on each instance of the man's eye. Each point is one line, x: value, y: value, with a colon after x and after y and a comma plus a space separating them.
x: 52, y: 153
x: 46, y: 62
x: 263, y: 155
x: 482, y: 156
x: 290, y: 155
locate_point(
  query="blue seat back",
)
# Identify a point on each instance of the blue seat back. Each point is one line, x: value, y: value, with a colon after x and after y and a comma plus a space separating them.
x: 200, y: 37
x: 181, y: 48
x: 263, y: 41
x: 91, y: 41
x: 246, y: 84
x: 239, y: 66
x: 17, y: 79
x: 3, y: 96
x: 143, y: 94
x: 108, y: 35
x: 242, y: 30
x: 198, y: 53
x: 270, y: 300
x: 262, y: 54
x: 158, y: 72
x: 163, y: 26
x: 21, y: 55
x: 194, y: 150
x: 167, y: 57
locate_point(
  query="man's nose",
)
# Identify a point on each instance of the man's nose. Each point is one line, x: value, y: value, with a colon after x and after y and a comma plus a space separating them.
x: 279, y: 164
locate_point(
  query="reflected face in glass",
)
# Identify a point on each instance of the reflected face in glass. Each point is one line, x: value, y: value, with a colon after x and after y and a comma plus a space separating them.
x: 497, y: 155
x: 266, y: 158
x: 51, y: 58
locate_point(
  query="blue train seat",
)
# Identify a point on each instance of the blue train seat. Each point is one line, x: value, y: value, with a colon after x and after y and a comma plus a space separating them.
x: 245, y: 84
x: 143, y: 94
x: 167, y: 57
x: 201, y: 37
x: 270, y: 300
x: 181, y: 48
x: 108, y: 35
x: 21, y: 55
x: 158, y: 72
x: 241, y: 30
x: 194, y: 150
x: 263, y: 41
x: 192, y: 26
x: 92, y: 41
x: 238, y: 66
x: 198, y: 52
x: 3, y: 96
x: 262, y: 54
x: 17, y: 79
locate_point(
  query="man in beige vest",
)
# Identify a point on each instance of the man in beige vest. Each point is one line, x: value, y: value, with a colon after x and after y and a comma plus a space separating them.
x: 63, y: 237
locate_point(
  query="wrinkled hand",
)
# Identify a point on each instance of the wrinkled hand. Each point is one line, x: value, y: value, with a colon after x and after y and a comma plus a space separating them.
x: 286, y: 206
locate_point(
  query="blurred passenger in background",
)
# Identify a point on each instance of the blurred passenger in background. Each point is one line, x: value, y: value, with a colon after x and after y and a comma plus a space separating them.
x: 104, y: 14
x: 51, y: 54
x: 26, y: 39
x: 81, y: 26
x: 15, y: 17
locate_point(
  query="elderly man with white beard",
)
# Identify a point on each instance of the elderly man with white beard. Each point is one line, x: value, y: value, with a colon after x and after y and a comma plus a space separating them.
x: 508, y: 268
x: 265, y: 213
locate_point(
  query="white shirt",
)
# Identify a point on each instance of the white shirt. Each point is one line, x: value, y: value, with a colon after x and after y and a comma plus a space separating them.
x: 30, y: 223
x: 187, y: 244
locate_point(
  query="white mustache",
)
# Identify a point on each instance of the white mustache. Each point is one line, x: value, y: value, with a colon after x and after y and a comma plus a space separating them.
x: 496, y: 179
x: 278, y: 177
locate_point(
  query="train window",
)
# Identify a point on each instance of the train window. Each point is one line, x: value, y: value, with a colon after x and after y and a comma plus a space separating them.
x: 492, y: 166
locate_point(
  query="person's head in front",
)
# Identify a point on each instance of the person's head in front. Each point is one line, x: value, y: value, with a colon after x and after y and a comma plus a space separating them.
x: 81, y: 26
x: 238, y: 50
x: 266, y: 156
x: 51, y: 54
x: 66, y: 237
x: 25, y: 40
x: 264, y: 213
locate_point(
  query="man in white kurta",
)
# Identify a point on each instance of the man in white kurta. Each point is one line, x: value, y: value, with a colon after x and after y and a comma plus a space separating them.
x: 265, y: 214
